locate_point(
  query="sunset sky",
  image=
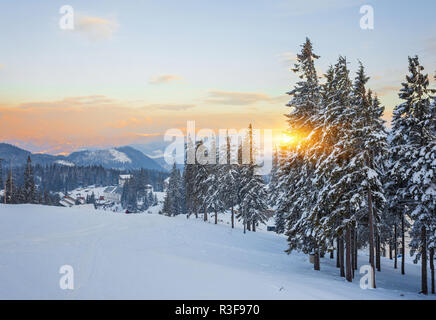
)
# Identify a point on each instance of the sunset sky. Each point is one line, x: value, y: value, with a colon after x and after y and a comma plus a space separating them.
x: 130, y: 70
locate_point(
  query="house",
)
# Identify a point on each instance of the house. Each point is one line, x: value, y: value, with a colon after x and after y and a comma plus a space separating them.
x: 123, y: 178
x: 81, y: 200
x: 113, y: 193
x: 67, y: 201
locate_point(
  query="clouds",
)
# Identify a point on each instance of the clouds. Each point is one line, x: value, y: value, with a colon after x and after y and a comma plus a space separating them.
x: 165, y: 78
x: 68, y: 124
x: 96, y: 28
x: 240, y: 98
x: 172, y: 107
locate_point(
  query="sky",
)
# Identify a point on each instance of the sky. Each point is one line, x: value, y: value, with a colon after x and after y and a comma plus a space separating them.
x: 130, y: 70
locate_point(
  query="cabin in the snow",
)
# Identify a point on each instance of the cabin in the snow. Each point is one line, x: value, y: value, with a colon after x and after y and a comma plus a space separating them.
x: 67, y: 201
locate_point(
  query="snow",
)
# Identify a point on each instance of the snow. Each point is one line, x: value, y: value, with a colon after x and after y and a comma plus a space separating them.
x: 150, y: 256
x: 119, y: 156
x: 65, y: 163
x: 86, y: 191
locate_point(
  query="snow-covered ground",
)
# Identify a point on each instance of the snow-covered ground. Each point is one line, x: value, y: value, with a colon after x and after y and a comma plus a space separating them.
x: 150, y: 256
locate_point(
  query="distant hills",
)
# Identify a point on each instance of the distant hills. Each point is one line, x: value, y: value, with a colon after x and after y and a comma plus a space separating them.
x: 116, y: 158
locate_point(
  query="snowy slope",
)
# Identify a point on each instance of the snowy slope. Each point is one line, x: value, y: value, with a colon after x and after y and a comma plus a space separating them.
x: 149, y: 256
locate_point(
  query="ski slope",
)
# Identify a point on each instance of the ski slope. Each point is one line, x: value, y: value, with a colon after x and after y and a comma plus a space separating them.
x: 149, y: 256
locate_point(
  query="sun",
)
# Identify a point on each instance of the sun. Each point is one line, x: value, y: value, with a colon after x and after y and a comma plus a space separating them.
x: 288, y: 139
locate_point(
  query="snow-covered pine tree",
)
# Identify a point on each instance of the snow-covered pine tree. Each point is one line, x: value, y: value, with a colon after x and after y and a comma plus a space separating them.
x: 413, y: 140
x: 345, y: 174
x: 189, y: 173
x: 229, y: 178
x: 173, y: 205
x: 369, y: 144
x: 214, y: 197
x: 29, y: 183
x: 276, y: 187
x: 296, y: 170
x: 331, y: 215
x: 200, y: 180
x: 11, y: 192
x: 253, y: 194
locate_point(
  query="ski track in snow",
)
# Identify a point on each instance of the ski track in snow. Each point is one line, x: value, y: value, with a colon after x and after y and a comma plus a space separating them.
x: 149, y: 256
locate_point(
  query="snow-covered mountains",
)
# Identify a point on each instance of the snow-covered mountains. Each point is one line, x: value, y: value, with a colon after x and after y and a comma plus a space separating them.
x: 117, y: 158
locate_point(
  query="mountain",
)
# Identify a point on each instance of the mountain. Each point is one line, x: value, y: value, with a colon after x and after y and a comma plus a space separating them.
x: 117, y: 158
x: 155, y: 150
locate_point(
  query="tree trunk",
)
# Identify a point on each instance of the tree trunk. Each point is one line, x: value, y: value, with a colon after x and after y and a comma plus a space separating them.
x: 377, y: 252
x: 254, y: 226
x: 248, y: 225
x: 332, y: 255
x: 205, y: 215
x: 403, y: 245
x: 316, y: 264
x: 196, y: 212
x: 371, y: 237
x: 341, y: 242
x: 355, y: 249
x: 432, y: 269
x: 395, y: 247
x: 216, y: 217
x: 424, y: 288
x: 352, y: 250
x: 349, y: 275
x: 338, y: 259
x: 390, y: 250
x: 233, y: 218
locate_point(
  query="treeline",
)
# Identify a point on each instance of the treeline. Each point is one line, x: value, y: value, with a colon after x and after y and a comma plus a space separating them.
x: 349, y: 183
x: 209, y: 187
x: 136, y: 194
x: 40, y: 184
x: 23, y: 189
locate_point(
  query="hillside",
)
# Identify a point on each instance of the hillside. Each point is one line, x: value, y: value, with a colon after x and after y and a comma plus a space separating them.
x: 117, y: 158
x: 149, y: 256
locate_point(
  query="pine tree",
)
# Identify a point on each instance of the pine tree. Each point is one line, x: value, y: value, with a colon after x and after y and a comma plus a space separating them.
x: 228, y: 176
x: 201, y: 188
x: 11, y: 195
x: 29, y: 183
x: 297, y: 168
x: 253, y: 196
x: 413, y: 141
x: 173, y: 203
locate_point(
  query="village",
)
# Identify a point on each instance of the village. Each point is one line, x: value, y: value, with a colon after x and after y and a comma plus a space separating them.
x: 106, y: 198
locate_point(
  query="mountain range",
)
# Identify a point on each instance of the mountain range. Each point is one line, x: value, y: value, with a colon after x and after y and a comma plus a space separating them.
x: 118, y: 158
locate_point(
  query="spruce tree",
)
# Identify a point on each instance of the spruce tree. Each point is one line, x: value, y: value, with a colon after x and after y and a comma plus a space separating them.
x: 228, y: 176
x: 414, y: 143
x: 29, y: 183
x: 253, y: 196
x: 295, y: 174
